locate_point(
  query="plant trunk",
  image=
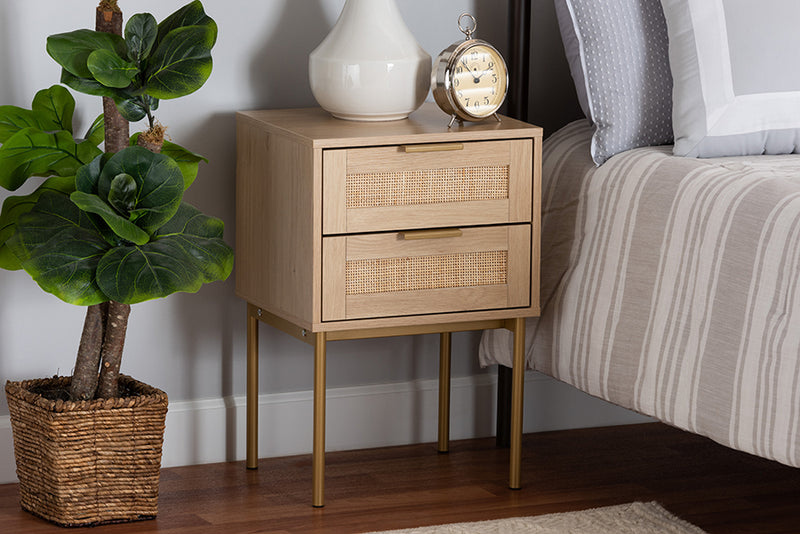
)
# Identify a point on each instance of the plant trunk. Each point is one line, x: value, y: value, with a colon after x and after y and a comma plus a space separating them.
x: 84, y: 378
x: 113, y: 343
x: 108, y: 19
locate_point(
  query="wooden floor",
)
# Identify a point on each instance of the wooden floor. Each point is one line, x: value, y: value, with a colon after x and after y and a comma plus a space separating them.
x: 713, y: 487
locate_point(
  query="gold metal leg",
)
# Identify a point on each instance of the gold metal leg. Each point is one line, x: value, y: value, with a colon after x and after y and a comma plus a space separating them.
x: 318, y: 456
x: 517, y: 395
x: 252, y: 387
x: 444, y: 391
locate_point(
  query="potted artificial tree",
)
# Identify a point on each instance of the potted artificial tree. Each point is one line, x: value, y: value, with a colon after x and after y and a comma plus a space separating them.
x: 105, y: 229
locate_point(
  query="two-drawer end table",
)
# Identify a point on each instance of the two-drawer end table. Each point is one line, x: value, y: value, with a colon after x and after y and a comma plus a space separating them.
x: 349, y: 230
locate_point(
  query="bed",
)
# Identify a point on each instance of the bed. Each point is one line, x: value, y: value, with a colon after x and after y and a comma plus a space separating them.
x: 670, y: 280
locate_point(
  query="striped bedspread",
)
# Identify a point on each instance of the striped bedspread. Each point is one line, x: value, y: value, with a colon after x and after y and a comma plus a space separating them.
x: 671, y: 286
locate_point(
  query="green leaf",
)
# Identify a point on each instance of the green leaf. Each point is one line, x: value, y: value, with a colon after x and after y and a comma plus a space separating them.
x: 71, y: 50
x: 87, y: 86
x: 97, y: 131
x: 111, y: 70
x: 59, y: 246
x: 140, y: 35
x: 200, y: 237
x: 15, y: 206
x: 52, y: 213
x: 8, y: 260
x: 88, y: 175
x: 181, y: 63
x: 191, y: 14
x: 31, y: 152
x: 186, y: 253
x: 159, y: 184
x: 188, y: 162
x: 13, y: 119
x: 120, y: 225
x: 138, y: 273
x: 123, y: 193
x: 134, y: 108
x: 54, y: 107
x: 134, y: 191
x: 131, y: 109
x: 66, y: 265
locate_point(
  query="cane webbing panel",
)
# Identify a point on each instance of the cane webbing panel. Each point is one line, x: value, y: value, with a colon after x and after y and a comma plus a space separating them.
x: 426, y: 272
x: 429, y: 186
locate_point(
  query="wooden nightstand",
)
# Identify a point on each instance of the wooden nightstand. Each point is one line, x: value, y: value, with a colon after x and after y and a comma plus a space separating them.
x: 348, y: 230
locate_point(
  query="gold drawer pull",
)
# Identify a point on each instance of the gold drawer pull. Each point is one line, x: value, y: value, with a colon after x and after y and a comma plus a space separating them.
x: 436, y: 147
x: 435, y: 233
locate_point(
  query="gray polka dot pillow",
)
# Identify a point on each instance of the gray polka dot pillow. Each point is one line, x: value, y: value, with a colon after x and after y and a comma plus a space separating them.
x: 618, y: 53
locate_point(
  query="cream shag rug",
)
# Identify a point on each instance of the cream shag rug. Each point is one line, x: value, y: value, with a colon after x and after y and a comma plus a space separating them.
x: 632, y: 518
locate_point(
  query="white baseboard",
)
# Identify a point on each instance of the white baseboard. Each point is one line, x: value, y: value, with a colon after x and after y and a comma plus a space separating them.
x: 213, y: 430
x: 7, y: 466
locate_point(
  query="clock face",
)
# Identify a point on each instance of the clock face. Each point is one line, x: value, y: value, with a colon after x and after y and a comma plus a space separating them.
x: 479, y: 80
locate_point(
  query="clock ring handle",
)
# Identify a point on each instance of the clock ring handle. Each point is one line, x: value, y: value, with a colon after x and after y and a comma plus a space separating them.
x: 470, y: 28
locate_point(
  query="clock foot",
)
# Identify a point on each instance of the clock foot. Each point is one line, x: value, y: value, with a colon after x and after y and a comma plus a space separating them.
x: 497, y: 117
x: 453, y: 119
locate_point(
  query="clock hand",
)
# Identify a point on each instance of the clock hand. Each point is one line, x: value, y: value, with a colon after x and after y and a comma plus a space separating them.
x: 476, y: 79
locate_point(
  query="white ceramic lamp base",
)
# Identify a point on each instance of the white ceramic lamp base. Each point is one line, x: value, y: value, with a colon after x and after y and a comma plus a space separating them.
x: 370, y: 67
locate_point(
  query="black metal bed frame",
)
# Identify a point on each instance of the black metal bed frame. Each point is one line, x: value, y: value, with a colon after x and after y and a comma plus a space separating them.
x: 519, y: 53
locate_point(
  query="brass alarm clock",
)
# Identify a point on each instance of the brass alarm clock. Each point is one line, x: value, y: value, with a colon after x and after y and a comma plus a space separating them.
x: 470, y: 77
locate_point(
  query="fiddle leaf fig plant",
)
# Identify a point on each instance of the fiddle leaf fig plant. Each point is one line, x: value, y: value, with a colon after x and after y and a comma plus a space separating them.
x: 109, y: 228
x: 153, y: 61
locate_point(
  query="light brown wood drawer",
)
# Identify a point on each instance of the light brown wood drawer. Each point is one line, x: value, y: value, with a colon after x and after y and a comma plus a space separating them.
x: 428, y: 185
x: 409, y: 273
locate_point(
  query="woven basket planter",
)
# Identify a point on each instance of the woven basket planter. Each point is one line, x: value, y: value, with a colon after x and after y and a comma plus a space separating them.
x: 89, y: 462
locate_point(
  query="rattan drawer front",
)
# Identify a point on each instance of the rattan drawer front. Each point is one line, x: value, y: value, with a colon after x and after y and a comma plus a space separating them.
x: 385, y: 275
x: 417, y: 186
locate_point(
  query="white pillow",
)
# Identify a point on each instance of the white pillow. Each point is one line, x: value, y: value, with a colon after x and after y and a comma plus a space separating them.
x: 736, y: 76
x: 617, y: 52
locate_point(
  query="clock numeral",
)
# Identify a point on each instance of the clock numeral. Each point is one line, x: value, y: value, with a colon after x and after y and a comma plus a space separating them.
x: 491, y: 65
x: 486, y: 100
x: 494, y: 78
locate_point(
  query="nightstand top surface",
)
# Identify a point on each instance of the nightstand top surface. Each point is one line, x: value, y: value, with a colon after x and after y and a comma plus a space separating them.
x: 318, y: 128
